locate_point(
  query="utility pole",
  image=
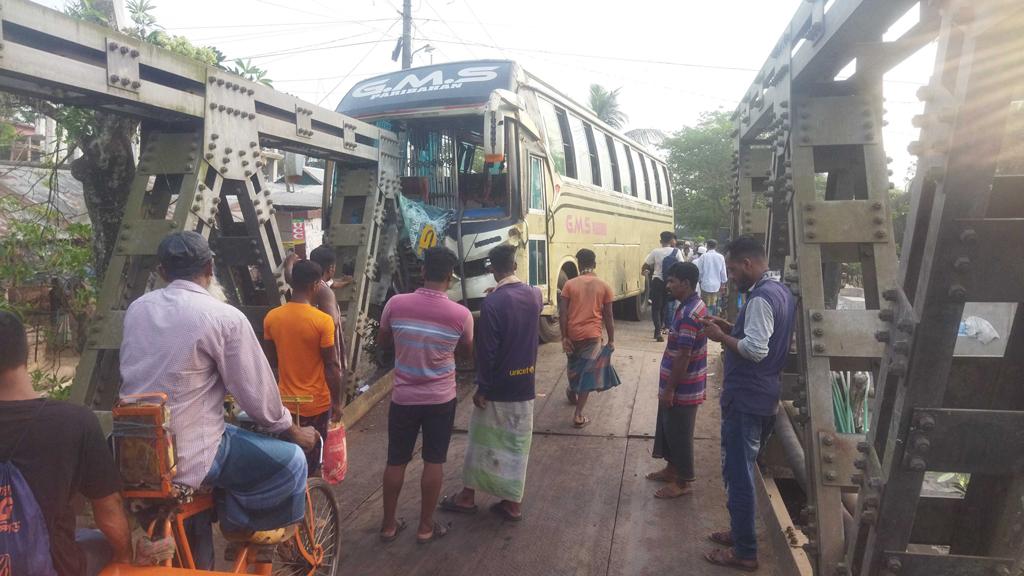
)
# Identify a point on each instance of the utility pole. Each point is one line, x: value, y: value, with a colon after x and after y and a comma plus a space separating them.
x: 406, y: 34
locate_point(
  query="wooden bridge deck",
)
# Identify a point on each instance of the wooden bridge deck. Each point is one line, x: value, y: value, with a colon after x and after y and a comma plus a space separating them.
x: 588, y: 510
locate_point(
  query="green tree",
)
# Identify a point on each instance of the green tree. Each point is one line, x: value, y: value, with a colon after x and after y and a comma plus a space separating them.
x: 106, y: 167
x: 605, y: 105
x: 699, y: 159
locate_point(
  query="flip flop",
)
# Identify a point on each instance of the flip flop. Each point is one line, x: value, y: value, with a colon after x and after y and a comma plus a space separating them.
x: 449, y: 504
x: 662, y: 495
x: 722, y: 538
x: 439, y: 531
x: 500, y: 510
x: 720, y: 557
x: 398, y: 530
x: 659, y: 476
x: 580, y: 424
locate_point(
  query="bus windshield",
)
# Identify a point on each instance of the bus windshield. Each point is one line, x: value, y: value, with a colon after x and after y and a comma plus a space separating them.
x: 443, y: 155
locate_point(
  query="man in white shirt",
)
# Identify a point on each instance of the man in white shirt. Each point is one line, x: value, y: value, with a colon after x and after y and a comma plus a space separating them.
x: 713, y: 277
x: 653, y: 265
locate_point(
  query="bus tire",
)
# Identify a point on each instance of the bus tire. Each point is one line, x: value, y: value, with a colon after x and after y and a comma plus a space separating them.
x: 549, y: 329
x: 633, y: 308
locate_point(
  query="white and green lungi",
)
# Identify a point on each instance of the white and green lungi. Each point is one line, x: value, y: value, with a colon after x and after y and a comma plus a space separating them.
x: 499, y: 448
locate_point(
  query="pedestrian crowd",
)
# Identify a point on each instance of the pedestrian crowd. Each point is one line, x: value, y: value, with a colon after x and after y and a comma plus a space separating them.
x: 183, y: 342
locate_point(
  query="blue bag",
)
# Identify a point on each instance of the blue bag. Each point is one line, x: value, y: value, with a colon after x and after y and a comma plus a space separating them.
x: 24, y: 539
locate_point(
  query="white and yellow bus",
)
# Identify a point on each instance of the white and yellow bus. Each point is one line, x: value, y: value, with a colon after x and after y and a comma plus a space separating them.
x: 518, y: 161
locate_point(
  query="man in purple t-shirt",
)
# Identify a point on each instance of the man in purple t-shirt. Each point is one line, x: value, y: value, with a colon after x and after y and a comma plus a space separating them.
x: 426, y: 330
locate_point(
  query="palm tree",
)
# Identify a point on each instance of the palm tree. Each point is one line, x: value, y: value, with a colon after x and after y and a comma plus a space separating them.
x: 650, y: 137
x: 246, y: 69
x: 605, y: 105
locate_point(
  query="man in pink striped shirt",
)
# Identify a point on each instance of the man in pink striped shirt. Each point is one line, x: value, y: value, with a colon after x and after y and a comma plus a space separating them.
x: 426, y: 330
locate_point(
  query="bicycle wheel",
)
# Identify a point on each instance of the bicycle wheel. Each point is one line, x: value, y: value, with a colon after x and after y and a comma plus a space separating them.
x: 319, y: 536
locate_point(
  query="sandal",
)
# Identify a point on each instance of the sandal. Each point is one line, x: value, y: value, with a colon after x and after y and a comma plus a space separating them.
x: 659, y: 476
x: 725, y: 558
x: 665, y: 492
x: 450, y: 504
x: 580, y: 423
x: 398, y: 530
x: 439, y: 531
x: 722, y: 538
x: 571, y: 396
x: 499, y: 509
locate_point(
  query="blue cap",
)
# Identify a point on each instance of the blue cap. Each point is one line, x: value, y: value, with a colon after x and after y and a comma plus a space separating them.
x: 184, y: 254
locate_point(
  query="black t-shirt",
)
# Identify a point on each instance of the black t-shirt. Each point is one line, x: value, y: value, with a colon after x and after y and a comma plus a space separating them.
x: 62, y: 453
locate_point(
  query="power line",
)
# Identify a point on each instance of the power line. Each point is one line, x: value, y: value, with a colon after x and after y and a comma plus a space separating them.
x: 469, y: 5
x: 357, y: 64
x: 279, y: 24
x: 601, y: 57
x: 313, y: 47
x: 454, y: 33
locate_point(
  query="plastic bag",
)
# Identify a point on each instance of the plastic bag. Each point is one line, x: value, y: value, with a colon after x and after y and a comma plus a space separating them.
x: 424, y: 225
x: 335, y: 461
x: 975, y: 327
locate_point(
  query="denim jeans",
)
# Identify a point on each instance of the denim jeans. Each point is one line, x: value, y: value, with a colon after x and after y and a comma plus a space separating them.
x: 742, y: 435
x: 95, y: 549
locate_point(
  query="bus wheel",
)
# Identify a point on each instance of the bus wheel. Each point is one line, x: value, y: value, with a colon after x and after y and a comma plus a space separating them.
x: 633, y: 308
x: 549, y: 329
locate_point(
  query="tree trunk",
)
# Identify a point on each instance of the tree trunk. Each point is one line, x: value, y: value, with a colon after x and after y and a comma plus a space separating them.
x: 106, y: 170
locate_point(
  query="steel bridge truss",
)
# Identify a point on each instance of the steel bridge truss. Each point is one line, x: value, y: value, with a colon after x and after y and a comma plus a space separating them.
x: 932, y: 410
x: 202, y: 135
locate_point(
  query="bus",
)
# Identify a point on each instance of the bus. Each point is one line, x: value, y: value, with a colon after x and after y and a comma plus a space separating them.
x: 516, y: 160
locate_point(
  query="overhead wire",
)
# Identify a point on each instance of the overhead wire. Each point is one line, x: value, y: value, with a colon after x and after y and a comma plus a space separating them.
x: 469, y: 5
x: 357, y: 64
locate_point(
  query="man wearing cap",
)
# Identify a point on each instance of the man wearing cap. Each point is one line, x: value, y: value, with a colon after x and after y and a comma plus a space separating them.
x: 183, y: 342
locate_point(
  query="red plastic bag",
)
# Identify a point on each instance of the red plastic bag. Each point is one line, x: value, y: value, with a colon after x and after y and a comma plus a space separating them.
x: 335, y: 462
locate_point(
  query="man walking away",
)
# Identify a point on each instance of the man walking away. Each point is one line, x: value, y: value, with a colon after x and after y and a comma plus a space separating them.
x: 501, y: 428
x: 426, y: 329
x: 681, y: 386
x: 713, y: 277
x: 59, y: 451
x: 302, y: 339
x: 653, y: 266
x: 586, y: 304
x: 755, y: 353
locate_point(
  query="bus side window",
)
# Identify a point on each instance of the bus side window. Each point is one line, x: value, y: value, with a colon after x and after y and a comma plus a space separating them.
x: 568, y: 147
x: 632, y: 170
x: 613, y: 161
x: 657, y: 182
x: 579, y: 143
x: 668, y: 187
x: 595, y: 162
x: 646, y: 176
x: 536, y: 198
x: 553, y: 133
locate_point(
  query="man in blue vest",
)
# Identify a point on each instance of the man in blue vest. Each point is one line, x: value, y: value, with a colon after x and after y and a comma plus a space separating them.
x: 755, y: 353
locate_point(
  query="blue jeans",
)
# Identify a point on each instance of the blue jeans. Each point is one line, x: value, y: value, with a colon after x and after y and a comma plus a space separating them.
x: 742, y: 435
x: 260, y: 485
x: 95, y: 549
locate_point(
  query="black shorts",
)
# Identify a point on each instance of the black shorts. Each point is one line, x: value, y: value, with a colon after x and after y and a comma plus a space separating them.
x: 404, y: 423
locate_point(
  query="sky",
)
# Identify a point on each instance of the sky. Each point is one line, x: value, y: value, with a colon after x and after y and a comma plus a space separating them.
x: 672, y: 59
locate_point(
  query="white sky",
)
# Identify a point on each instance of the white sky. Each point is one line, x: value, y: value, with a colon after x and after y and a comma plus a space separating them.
x: 673, y: 59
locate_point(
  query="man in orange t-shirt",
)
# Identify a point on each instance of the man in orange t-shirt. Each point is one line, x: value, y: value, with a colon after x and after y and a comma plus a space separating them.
x: 585, y: 306
x: 303, y: 339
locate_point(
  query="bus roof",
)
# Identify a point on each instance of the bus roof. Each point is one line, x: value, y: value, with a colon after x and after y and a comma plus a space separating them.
x: 449, y: 85
x: 443, y: 88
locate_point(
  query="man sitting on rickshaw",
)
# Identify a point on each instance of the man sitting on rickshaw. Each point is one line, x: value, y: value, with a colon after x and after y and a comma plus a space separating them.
x: 183, y: 342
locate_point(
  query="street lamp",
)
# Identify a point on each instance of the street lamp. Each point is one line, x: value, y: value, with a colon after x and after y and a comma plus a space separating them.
x: 427, y: 48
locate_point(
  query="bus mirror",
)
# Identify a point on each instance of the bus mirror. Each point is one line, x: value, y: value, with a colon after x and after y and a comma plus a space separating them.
x: 500, y: 104
x: 494, y: 131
